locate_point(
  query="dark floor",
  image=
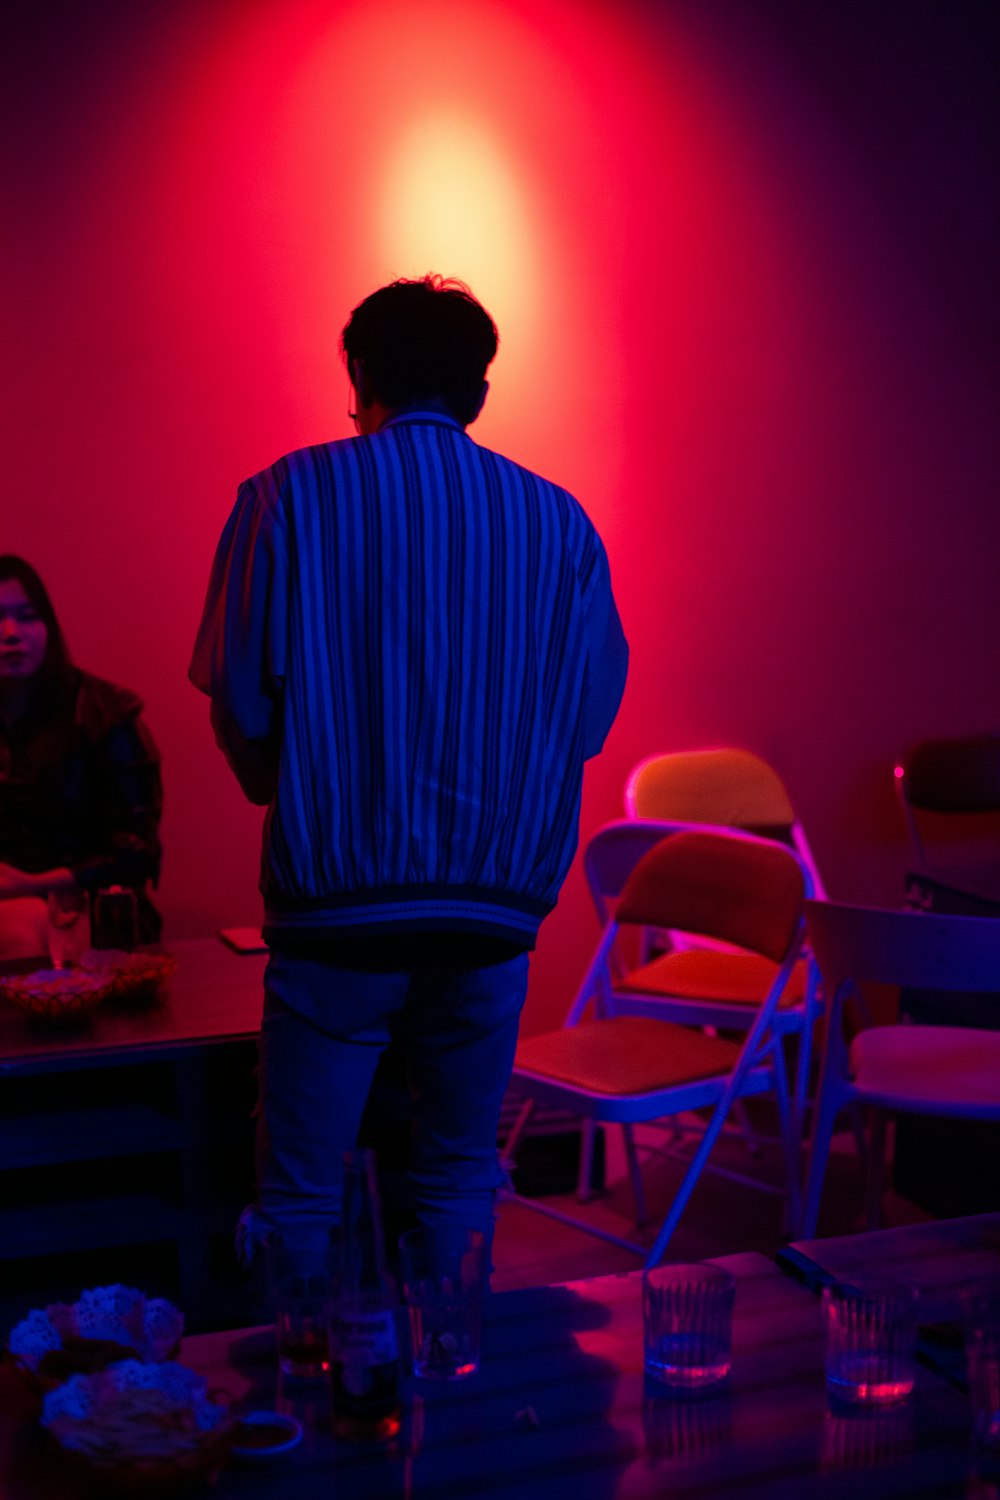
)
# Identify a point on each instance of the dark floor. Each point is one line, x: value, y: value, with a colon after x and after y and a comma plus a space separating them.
x: 723, y: 1216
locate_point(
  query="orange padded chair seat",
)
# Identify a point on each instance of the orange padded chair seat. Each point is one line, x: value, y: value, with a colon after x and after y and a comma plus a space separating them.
x: 707, y: 974
x: 626, y: 1055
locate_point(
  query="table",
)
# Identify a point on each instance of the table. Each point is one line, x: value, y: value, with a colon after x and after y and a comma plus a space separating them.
x: 131, y: 1129
x: 214, y: 996
x: 560, y: 1411
x: 945, y: 1259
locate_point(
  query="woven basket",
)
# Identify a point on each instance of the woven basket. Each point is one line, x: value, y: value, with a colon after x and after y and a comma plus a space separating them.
x: 141, y: 1430
x: 56, y: 995
x: 149, y: 1479
x: 132, y: 976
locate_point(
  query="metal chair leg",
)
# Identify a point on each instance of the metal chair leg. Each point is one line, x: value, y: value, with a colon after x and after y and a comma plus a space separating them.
x: 584, y: 1176
x: 875, y: 1174
x: 788, y: 1121
x: 824, y: 1114
x: 513, y: 1140
x: 742, y: 1119
x: 638, y: 1191
x: 686, y: 1188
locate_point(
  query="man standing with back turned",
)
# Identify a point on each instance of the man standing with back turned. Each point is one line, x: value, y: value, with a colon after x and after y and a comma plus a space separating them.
x: 411, y: 648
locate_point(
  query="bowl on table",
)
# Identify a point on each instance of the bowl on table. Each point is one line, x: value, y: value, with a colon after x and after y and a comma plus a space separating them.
x: 259, y: 1436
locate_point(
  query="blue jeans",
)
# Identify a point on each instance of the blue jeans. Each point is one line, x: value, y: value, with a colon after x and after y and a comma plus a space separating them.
x: 323, y: 1032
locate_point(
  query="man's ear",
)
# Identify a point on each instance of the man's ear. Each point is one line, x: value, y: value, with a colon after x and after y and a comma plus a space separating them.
x: 360, y: 382
x: 477, y: 408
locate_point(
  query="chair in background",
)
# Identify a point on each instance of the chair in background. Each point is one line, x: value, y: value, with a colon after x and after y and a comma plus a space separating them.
x: 953, y: 779
x: 626, y: 1068
x: 715, y: 987
x: 948, y: 792
x: 609, y: 858
x: 899, y: 1069
x: 727, y: 789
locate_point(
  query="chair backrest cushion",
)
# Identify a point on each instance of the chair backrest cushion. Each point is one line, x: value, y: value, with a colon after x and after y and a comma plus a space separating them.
x: 955, y: 776
x: 739, y: 890
x: 725, y: 786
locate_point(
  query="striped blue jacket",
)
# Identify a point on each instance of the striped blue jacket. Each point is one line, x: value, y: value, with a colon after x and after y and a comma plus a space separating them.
x: 417, y: 640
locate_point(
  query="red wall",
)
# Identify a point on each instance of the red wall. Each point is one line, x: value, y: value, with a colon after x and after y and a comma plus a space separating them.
x: 742, y: 273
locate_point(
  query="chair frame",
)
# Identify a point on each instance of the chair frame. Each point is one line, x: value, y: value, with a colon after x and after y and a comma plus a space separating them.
x: 857, y: 944
x: 800, y: 1020
x: 788, y: 829
x: 759, y: 1068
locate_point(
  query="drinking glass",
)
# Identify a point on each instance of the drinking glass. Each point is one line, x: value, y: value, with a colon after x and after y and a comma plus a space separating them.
x: 871, y: 1339
x: 444, y: 1278
x: 687, y: 1320
x: 300, y: 1326
x: 68, y: 934
x: 115, y: 919
x: 300, y: 1288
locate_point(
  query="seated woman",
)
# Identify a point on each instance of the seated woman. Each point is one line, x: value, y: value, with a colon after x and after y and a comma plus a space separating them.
x: 80, y: 790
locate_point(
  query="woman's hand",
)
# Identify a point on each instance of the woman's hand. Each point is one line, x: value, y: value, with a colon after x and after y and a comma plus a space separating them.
x: 15, y: 882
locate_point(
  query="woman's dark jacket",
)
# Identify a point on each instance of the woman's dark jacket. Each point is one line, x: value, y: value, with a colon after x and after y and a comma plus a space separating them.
x: 80, y: 786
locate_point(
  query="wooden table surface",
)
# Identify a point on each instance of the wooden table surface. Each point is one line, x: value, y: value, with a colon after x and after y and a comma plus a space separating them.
x: 560, y: 1409
x: 214, y: 995
x: 944, y: 1259
x: 948, y: 1261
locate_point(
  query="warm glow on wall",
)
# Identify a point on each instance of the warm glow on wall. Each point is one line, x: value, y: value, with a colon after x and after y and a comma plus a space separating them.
x: 452, y: 202
x: 701, y: 229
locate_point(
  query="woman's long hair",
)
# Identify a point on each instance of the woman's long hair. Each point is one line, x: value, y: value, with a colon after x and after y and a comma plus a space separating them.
x: 56, y: 674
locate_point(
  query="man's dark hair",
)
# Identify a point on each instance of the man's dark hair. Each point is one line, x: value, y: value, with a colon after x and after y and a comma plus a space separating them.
x: 423, y: 340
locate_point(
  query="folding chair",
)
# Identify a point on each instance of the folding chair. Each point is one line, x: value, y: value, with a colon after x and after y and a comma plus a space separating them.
x: 696, y: 990
x: 609, y: 858
x: 951, y: 777
x: 627, y: 1068
x: 712, y: 987
x: 728, y: 787
x: 717, y: 790
x: 949, y: 795
x: 899, y: 1069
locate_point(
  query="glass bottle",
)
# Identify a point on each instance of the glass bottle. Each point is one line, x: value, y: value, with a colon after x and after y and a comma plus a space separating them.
x: 115, y: 919
x: 362, y: 1328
